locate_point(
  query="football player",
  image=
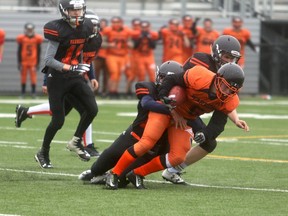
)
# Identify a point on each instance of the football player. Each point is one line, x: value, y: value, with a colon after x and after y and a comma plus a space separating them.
x: 206, y: 92
x: 147, y: 94
x: 72, y: 46
x: 29, y: 50
x: 225, y: 49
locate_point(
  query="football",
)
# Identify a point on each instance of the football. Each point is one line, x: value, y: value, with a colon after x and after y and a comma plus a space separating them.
x: 178, y: 94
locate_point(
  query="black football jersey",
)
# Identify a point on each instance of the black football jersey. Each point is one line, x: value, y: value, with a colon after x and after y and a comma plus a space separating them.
x: 202, y: 59
x: 71, y: 41
x: 143, y: 89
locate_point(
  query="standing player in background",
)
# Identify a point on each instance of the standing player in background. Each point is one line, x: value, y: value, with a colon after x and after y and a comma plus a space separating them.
x: 132, y: 59
x: 2, y: 40
x: 173, y: 42
x: 243, y: 36
x: 67, y: 39
x: 144, y: 44
x: 29, y: 50
x: 206, y: 36
x: 100, y: 65
x: 189, y: 29
x: 117, y: 41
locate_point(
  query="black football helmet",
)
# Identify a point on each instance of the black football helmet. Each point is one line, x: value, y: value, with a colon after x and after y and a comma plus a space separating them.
x: 168, y: 68
x: 94, y: 19
x: 65, y: 5
x: 225, y: 44
x: 228, y: 81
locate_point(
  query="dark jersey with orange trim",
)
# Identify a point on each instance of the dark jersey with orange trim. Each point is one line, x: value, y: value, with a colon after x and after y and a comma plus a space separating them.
x: 143, y: 89
x: 202, y: 59
x: 71, y: 41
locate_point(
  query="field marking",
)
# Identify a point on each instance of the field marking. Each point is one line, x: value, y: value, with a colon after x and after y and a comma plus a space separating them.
x: 156, y: 181
x: 246, y: 159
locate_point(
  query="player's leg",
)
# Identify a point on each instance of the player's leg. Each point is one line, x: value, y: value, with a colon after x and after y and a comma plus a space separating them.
x: 22, y: 113
x: 179, y: 141
x: 56, y: 98
x: 85, y: 96
x: 33, y: 78
x: 23, y: 74
x: 155, y: 127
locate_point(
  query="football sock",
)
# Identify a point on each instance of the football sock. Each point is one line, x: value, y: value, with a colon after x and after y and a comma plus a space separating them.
x: 153, y: 166
x: 39, y: 109
x: 125, y: 160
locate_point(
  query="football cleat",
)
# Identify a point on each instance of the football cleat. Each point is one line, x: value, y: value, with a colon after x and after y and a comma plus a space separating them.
x: 112, y: 181
x: 136, y: 180
x: 43, y: 160
x: 76, y: 146
x: 21, y: 115
x: 92, y: 150
x: 174, y: 178
x: 86, y: 175
x: 101, y: 179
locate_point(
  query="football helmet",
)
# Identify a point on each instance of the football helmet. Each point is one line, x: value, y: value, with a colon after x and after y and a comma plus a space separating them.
x: 228, y: 81
x: 66, y: 5
x: 29, y: 29
x: 168, y: 68
x: 94, y: 19
x: 225, y: 44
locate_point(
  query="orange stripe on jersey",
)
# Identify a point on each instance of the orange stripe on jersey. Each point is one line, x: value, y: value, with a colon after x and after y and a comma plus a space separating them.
x: 142, y: 91
x: 199, y: 62
x: 52, y: 32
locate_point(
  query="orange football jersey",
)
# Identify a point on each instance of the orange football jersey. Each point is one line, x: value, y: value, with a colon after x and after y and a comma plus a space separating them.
x: 205, y: 40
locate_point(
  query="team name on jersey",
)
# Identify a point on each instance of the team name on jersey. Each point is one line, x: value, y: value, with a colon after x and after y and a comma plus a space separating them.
x: 77, y: 41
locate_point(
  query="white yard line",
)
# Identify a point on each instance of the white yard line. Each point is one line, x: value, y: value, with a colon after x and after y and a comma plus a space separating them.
x: 156, y: 181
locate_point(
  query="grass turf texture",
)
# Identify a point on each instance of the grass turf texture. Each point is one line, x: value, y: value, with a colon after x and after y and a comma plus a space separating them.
x: 250, y: 180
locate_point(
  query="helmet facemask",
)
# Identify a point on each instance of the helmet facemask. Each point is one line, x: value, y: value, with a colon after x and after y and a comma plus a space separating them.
x: 224, y: 89
x: 66, y: 10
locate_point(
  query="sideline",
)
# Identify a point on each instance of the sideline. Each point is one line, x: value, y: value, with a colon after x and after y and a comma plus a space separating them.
x: 158, y: 182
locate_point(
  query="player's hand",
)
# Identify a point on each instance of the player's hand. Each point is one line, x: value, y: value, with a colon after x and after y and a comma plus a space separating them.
x: 80, y: 68
x: 179, y: 121
x: 199, y: 137
x: 94, y: 84
x: 242, y: 124
x: 168, y: 101
x: 44, y: 89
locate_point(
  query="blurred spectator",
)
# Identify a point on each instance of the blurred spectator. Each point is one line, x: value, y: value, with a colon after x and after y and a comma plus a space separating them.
x: 117, y: 40
x: 243, y: 35
x: 145, y: 43
x: 206, y: 36
x: 100, y: 64
x: 29, y: 49
x: 173, y: 42
x: 2, y: 40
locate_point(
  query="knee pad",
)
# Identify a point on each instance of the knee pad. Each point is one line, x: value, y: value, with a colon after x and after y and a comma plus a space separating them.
x: 209, y: 145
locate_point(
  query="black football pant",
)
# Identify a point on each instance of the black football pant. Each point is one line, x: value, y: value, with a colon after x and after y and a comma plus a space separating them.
x: 59, y: 86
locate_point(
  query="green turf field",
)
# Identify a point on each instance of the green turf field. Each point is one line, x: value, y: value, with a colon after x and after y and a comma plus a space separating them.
x: 246, y: 175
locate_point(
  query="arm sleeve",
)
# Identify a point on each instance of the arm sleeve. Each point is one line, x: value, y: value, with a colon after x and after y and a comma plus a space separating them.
x: 91, y: 73
x: 169, y: 82
x: 19, y: 58
x: 49, y: 59
x: 148, y: 103
x: 216, y: 125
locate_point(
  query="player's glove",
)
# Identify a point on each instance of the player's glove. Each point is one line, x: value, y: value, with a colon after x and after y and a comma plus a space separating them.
x: 199, y: 137
x: 80, y: 68
x: 169, y: 102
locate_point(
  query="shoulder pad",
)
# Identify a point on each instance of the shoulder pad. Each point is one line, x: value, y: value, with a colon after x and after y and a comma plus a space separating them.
x: 52, y: 30
x: 145, y: 88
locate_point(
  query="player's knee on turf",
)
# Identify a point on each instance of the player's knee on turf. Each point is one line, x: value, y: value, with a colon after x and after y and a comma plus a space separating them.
x: 209, y: 145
